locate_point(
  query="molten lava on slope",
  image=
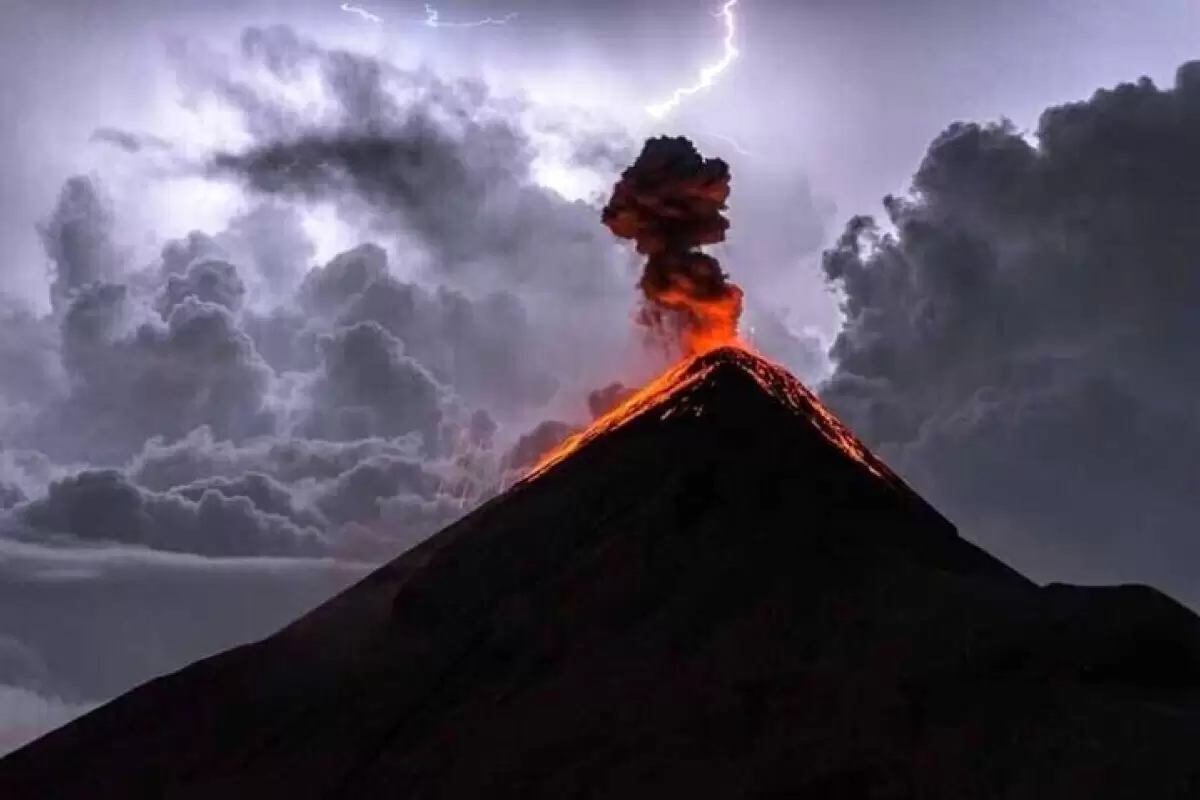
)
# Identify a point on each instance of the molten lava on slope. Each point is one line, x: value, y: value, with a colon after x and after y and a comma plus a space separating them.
x: 669, y: 393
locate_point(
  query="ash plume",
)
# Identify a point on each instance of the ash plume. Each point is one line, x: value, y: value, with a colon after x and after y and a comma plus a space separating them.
x: 669, y: 202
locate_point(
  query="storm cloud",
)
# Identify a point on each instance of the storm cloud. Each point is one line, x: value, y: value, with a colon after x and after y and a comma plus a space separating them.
x: 1019, y: 338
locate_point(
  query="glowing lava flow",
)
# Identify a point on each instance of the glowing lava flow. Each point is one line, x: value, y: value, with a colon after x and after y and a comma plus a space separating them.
x: 709, y: 73
x: 660, y: 388
x: 774, y: 380
x: 782, y: 385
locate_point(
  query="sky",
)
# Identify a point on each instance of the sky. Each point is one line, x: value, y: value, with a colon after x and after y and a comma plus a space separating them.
x: 230, y: 386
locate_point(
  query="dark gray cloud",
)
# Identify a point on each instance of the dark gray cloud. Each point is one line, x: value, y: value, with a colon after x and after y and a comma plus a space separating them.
x: 601, y: 401
x: 210, y: 281
x: 30, y: 368
x: 331, y: 289
x: 180, y: 254
x: 432, y: 165
x: 368, y: 387
x: 328, y: 485
x: 482, y: 347
x: 162, y: 378
x: 536, y: 443
x: 10, y: 495
x: 1021, y: 344
x: 212, y: 520
x: 453, y: 165
x: 129, y: 141
x: 385, y: 504
x: 415, y: 173
x: 78, y: 238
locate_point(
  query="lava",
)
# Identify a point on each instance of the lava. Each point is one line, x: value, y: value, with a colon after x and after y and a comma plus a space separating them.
x: 664, y: 386
x: 691, y: 371
x: 782, y: 385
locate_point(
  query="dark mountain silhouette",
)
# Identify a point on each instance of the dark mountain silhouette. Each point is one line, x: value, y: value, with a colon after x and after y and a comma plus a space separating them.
x: 725, y: 596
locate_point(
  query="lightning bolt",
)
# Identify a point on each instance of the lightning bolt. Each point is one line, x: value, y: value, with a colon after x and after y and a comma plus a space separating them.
x: 729, y: 141
x: 362, y: 12
x: 431, y: 19
x: 709, y: 73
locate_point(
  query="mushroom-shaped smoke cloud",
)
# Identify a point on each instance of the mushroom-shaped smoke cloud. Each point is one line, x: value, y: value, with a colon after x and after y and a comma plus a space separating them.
x: 669, y: 202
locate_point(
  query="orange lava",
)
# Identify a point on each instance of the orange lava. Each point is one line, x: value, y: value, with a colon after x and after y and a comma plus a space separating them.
x: 713, y: 322
x: 658, y: 389
x: 781, y: 384
x: 774, y: 379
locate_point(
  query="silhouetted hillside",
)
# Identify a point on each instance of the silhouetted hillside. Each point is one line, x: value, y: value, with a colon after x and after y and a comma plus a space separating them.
x: 719, y: 594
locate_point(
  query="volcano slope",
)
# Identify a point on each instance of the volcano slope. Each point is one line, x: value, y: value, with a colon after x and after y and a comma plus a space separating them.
x: 719, y: 594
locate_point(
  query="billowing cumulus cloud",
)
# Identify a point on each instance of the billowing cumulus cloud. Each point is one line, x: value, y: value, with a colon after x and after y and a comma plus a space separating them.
x: 208, y: 281
x: 133, y: 375
x: 368, y: 387
x: 215, y: 518
x: 453, y: 166
x: 78, y: 237
x: 1020, y: 340
x: 30, y: 367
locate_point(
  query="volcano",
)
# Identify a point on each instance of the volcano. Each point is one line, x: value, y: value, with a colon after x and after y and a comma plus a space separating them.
x: 714, y: 592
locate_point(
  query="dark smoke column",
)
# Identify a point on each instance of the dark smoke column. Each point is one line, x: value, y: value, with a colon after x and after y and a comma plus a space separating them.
x: 669, y: 202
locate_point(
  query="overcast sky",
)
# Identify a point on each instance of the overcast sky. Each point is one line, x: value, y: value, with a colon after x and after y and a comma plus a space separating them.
x: 115, y: 475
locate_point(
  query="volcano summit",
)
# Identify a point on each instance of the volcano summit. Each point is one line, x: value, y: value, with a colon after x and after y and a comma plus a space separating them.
x: 718, y: 592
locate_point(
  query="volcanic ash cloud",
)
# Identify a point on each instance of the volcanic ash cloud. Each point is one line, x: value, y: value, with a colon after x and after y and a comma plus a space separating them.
x: 670, y: 203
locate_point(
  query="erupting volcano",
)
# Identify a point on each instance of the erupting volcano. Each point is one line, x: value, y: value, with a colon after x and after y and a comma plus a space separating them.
x: 669, y: 202
x: 716, y: 592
